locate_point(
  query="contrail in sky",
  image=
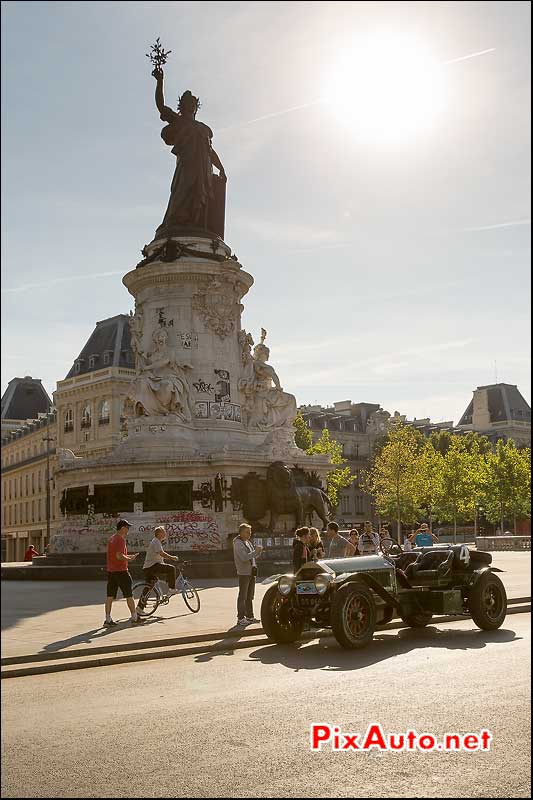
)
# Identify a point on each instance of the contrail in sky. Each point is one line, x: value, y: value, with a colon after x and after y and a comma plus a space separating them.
x: 471, y: 55
x: 321, y: 100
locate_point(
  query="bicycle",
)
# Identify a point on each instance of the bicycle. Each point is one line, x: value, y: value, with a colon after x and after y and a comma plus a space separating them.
x: 149, y: 595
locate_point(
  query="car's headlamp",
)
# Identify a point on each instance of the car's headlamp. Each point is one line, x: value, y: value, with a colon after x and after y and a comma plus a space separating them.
x: 322, y: 582
x: 285, y: 584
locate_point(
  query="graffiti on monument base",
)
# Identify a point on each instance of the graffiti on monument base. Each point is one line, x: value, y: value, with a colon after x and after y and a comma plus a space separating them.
x: 186, y: 530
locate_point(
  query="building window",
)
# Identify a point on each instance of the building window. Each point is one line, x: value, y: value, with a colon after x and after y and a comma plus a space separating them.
x: 359, y: 504
x: 86, y: 417
x: 345, y: 505
x: 356, y: 450
x: 107, y: 356
x: 104, y: 414
x: 69, y: 420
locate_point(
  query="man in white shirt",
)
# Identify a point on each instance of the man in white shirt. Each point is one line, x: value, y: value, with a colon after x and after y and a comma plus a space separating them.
x: 245, y: 555
x: 369, y: 540
x: 154, y: 564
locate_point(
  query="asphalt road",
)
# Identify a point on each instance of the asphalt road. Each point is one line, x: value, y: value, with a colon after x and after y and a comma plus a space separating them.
x: 237, y: 724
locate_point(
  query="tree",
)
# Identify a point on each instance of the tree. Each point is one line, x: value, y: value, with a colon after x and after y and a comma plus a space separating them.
x: 392, y: 479
x: 508, y: 486
x: 303, y: 436
x: 429, y: 477
x: 459, y: 481
x: 338, y: 478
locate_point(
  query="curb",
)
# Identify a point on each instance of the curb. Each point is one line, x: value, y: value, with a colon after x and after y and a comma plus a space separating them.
x: 251, y: 639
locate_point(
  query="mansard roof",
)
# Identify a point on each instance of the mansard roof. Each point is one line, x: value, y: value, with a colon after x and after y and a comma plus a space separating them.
x: 506, y: 404
x: 25, y: 398
x: 109, y: 345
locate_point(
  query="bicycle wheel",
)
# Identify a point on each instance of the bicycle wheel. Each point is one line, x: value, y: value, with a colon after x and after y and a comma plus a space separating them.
x: 147, y: 598
x: 190, y: 596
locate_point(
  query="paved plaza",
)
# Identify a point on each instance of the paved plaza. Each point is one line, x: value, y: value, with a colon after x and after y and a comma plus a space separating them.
x: 50, y: 616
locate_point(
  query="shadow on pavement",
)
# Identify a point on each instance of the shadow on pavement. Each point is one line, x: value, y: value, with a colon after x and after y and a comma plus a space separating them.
x: 95, y: 635
x: 215, y: 649
x: 327, y: 654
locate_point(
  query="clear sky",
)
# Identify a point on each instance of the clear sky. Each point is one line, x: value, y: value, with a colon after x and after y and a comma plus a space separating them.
x: 384, y: 214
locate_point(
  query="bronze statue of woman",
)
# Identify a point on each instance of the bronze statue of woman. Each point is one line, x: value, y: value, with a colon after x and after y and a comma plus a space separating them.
x: 192, y: 185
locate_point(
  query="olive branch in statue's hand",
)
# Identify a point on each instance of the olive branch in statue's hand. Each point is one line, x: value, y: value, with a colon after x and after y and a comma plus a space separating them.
x: 158, y: 57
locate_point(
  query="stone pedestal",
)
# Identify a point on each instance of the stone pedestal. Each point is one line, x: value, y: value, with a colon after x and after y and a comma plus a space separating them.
x: 207, y: 414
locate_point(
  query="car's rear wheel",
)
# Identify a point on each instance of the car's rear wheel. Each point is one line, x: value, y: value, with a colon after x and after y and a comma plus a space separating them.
x: 487, y: 602
x: 418, y: 620
x: 278, y: 623
x: 353, y: 616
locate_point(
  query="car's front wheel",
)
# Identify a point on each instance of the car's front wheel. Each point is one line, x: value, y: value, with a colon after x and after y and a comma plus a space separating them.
x: 353, y: 616
x: 488, y: 602
x: 278, y: 623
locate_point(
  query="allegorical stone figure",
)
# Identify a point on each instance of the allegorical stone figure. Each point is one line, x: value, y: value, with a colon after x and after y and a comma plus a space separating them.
x: 266, y: 405
x: 192, y: 184
x: 162, y: 388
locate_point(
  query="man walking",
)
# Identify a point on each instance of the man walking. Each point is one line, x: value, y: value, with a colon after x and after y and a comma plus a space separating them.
x: 118, y: 575
x: 337, y: 544
x: 245, y: 555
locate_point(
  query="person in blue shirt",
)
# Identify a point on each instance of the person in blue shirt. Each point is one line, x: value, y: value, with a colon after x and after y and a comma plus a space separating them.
x: 423, y: 536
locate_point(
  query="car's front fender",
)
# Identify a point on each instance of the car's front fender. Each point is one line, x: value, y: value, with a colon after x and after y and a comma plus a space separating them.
x: 372, y: 583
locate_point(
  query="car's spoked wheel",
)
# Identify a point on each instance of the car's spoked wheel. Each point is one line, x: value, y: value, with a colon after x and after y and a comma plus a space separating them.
x: 353, y: 616
x: 278, y: 622
x: 488, y: 602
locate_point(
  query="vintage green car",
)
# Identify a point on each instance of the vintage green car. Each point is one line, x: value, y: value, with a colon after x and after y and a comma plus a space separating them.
x: 353, y: 596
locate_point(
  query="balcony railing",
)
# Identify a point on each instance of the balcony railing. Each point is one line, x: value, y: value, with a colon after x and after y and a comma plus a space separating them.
x: 104, y: 420
x: 86, y: 423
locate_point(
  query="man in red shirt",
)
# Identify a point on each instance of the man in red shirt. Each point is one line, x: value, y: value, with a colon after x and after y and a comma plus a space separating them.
x: 30, y: 552
x: 118, y: 576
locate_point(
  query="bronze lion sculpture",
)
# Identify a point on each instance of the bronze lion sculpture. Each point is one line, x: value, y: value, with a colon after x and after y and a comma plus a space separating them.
x: 285, y: 497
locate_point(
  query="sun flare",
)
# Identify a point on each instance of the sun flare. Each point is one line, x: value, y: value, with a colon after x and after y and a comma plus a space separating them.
x: 387, y: 89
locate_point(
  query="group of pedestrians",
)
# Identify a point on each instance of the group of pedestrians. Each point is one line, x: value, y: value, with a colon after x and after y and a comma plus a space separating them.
x: 118, y: 574
x: 307, y: 546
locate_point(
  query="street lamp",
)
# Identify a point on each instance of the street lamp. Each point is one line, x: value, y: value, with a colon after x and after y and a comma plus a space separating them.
x: 48, y: 439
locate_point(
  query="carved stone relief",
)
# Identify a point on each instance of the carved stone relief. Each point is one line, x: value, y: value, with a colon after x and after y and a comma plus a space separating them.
x: 218, y: 305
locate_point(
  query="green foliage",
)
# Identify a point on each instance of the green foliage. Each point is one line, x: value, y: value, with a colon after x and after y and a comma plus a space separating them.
x: 393, y: 477
x: 460, y: 478
x: 338, y: 478
x: 449, y: 477
x: 303, y: 436
x: 430, y: 469
x: 507, y: 491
